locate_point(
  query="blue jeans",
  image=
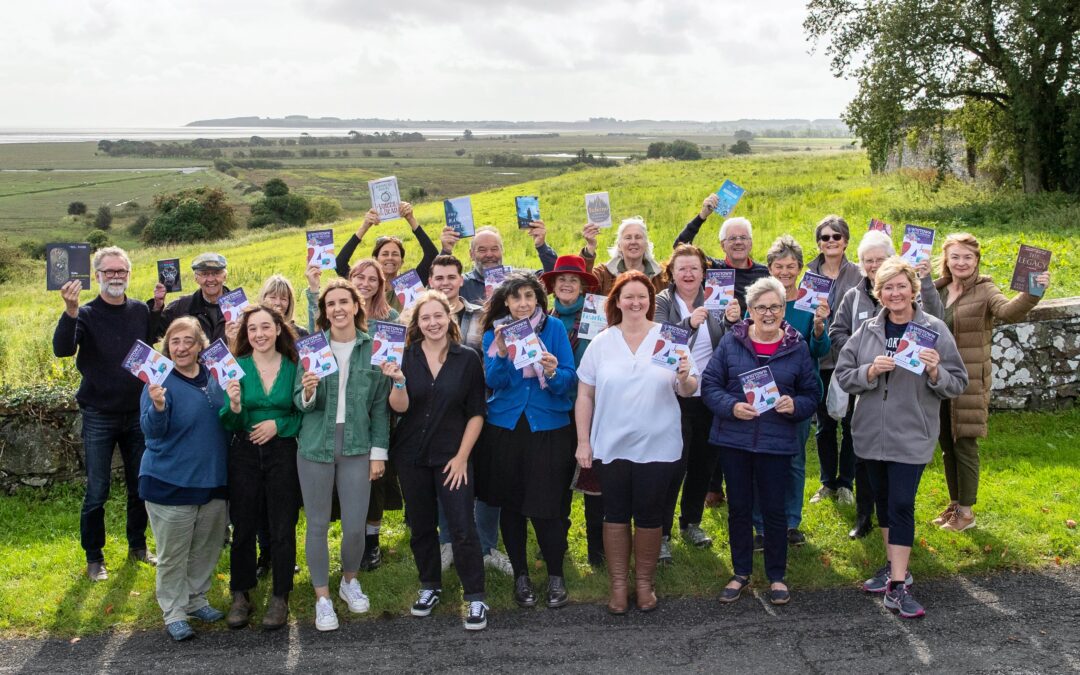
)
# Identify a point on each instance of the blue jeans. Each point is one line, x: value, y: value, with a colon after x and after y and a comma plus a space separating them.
x: 793, y: 497
x: 487, y: 526
x: 101, y: 432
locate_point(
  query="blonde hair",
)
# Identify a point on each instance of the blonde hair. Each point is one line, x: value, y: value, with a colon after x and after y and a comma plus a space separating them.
x: 957, y: 239
x: 379, y: 308
x: 277, y: 284
x: 894, y: 267
x: 414, y: 335
x: 188, y: 323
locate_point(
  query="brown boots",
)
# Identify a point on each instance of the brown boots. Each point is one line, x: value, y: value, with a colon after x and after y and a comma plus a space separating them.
x: 277, y: 611
x: 240, y: 611
x: 646, y: 553
x: 617, y: 552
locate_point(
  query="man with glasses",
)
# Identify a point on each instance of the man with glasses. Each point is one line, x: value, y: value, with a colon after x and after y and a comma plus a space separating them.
x: 99, y: 335
x: 210, y: 275
x: 486, y: 251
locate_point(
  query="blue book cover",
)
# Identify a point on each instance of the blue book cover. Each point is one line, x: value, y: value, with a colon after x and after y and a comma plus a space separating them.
x: 67, y: 262
x: 387, y: 342
x: 528, y: 210
x: 459, y: 216
x: 729, y: 194
x: 316, y: 355
x: 221, y: 363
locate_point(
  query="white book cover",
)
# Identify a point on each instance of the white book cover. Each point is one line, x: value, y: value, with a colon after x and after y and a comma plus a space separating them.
x: 385, y: 198
x: 598, y: 208
x: 593, y: 316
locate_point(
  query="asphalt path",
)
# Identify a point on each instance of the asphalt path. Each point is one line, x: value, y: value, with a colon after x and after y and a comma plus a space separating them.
x: 1006, y: 623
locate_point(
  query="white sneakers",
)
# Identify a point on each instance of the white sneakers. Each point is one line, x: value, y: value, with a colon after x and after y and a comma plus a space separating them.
x: 446, y: 553
x: 498, y: 560
x: 325, y: 616
x: 354, y: 597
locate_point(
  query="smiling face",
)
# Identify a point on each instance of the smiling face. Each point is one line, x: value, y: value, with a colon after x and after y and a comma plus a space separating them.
x: 211, y: 283
x: 433, y: 320
x: 112, y: 276
x: 279, y: 302
x: 262, y: 332
x: 634, y: 301
x: 737, y: 244
x: 962, y: 261
x: 523, y: 303
x: 633, y: 243
x: 829, y: 244
x: 447, y: 280
x: 486, y: 250
x: 767, y: 312
x: 897, y: 294
x: 688, y: 274
x: 871, y: 261
x: 341, y: 310
x: 567, y: 288
x: 366, y: 281
x: 389, y: 259
x: 184, y: 349
x: 786, y: 271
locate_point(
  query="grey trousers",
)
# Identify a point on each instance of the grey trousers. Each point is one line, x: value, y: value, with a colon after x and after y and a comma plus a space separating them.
x: 188, y: 542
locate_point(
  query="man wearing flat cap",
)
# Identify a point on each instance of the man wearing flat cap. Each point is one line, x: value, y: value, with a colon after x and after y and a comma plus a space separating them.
x: 210, y: 274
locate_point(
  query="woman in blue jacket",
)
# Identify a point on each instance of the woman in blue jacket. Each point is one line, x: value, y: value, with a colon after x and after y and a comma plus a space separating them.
x: 756, y: 447
x: 526, y: 461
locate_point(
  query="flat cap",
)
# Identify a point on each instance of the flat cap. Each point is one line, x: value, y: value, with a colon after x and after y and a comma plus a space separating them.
x: 208, y: 261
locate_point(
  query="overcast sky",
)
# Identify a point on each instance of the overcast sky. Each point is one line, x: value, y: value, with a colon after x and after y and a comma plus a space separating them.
x: 165, y: 63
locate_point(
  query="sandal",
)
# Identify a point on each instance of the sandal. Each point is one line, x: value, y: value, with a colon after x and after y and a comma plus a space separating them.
x: 779, y: 596
x: 733, y: 594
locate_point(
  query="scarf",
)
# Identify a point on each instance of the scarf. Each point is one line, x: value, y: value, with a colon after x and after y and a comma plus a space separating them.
x: 570, y: 315
x: 537, y: 322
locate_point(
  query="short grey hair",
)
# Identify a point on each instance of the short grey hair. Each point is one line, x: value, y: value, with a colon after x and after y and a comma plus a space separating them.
x: 875, y: 240
x: 111, y: 251
x: 785, y: 246
x: 738, y: 220
x: 761, y: 287
x: 834, y: 222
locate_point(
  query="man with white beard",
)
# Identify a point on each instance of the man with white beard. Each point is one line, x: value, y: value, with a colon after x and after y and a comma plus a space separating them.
x: 99, y: 334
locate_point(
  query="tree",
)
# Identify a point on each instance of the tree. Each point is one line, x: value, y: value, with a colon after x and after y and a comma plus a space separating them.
x: 76, y: 209
x: 744, y: 135
x: 275, y: 187
x: 279, y: 206
x: 467, y: 136
x: 103, y: 219
x: 97, y: 239
x: 190, y: 215
x: 740, y: 147
x: 324, y: 209
x: 919, y: 62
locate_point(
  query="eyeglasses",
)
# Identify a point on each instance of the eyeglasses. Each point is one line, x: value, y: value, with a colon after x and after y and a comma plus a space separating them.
x: 113, y: 274
x: 767, y: 309
x: 738, y: 238
x: 831, y: 237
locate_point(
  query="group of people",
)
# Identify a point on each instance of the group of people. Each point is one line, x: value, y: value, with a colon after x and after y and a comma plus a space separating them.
x: 473, y: 447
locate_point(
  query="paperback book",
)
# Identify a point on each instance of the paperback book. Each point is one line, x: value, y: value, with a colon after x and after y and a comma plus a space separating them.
x: 385, y: 198
x: 598, y: 208
x: 168, y: 274
x: 67, y: 262
x: 320, y: 249
x: 813, y: 290
x: 918, y: 244
x: 493, y: 277
x: 672, y: 345
x: 1030, y: 263
x: 221, y: 363
x: 232, y: 304
x: 148, y: 365
x: 459, y: 216
x: 880, y: 226
x: 316, y: 355
x: 408, y: 288
x: 760, y: 388
x: 387, y: 342
x: 593, y: 316
x: 522, y: 344
x: 729, y: 194
x: 719, y: 289
x: 915, y: 339
x: 528, y: 210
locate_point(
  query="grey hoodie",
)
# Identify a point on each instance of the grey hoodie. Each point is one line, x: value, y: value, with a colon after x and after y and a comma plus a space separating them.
x: 897, y: 418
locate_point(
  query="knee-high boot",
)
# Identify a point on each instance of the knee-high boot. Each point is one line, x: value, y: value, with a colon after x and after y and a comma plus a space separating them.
x: 646, y: 553
x: 617, y: 552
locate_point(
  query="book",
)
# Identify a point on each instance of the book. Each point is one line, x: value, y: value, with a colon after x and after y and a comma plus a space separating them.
x: 719, y: 289
x: 522, y: 344
x: 598, y: 208
x: 221, y: 363
x: 148, y: 365
x: 1030, y: 263
x: 673, y: 343
x: 918, y: 244
x: 387, y: 342
x: 593, y: 316
x: 316, y: 355
x: 528, y: 210
x: 880, y: 226
x: 408, y: 288
x: 232, y: 304
x: 385, y: 198
x: 168, y: 274
x: 459, y: 216
x: 493, y: 277
x: 813, y: 289
x: 915, y: 339
x: 729, y: 194
x: 320, y: 249
x: 66, y: 262
x: 760, y: 388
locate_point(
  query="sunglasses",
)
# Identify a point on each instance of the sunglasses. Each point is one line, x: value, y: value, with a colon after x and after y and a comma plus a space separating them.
x: 831, y: 237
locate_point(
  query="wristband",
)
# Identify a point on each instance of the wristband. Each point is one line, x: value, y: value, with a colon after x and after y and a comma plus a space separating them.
x: 399, y: 385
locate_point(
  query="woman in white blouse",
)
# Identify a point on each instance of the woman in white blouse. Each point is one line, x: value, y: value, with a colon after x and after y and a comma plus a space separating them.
x: 636, y: 449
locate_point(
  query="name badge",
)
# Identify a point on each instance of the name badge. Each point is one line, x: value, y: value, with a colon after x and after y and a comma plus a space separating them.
x: 863, y: 315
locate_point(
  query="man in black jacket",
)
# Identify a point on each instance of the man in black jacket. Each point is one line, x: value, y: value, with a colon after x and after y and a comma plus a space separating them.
x: 210, y: 275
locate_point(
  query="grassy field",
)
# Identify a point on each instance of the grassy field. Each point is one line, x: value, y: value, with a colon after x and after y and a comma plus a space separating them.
x: 1030, y: 488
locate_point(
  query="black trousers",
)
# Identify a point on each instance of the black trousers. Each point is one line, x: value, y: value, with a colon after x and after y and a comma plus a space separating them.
x: 263, y: 478
x: 837, y: 462
x: 695, y: 468
x: 767, y: 476
x: 550, y: 535
x: 423, y: 490
x: 635, y: 491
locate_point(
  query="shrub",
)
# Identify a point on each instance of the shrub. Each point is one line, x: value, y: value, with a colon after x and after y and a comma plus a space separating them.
x: 97, y: 239
x: 131, y: 206
x: 384, y: 153
x: 275, y: 187
x: 76, y: 209
x: 459, y: 152
x: 190, y: 215
x: 740, y: 148
x: 279, y: 206
x: 366, y: 152
x: 32, y: 249
x: 9, y: 263
x: 415, y: 194
x: 136, y: 228
x: 104, y: 217
x: 324, y: 209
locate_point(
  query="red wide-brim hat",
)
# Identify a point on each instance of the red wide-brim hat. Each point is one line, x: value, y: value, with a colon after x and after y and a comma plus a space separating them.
x: 569, y: 264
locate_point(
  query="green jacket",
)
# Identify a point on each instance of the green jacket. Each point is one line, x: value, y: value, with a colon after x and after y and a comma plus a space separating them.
x: 257, y: 405
x: 367, y: 417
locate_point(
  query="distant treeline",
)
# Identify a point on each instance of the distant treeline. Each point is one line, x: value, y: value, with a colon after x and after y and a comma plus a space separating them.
x: 514, y: 160
x: 210, y: 148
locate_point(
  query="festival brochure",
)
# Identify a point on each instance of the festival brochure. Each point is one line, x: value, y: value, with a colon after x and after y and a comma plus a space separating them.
x: 598, y: 208
x: 673, y: 343
x: 320, y: 249
x: 528, y: 210
x: 493, y: 277
x: 729, y: 194
x: 760, y: 388
x: 813, y: 290
x: 880, y: 226
x: 1030, y: 263
x: 148, y: 365
x: 67, y: 262
x: 221, y: 363
x: 593, y: 316
x: 232, y: 304
x: 385, y: 198
x: 387, y: 342
x: 522, y: 344
x: 408, y: 288
x: 459, y: 216
x: 915, y: 339
x: 918, y: 244
x: 719, y: 289
x: 168, y: 274
x: 316, y: 355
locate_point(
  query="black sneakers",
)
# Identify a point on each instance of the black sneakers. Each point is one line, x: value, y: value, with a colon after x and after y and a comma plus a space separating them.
x: 476, y: 619
x: 426, y: 599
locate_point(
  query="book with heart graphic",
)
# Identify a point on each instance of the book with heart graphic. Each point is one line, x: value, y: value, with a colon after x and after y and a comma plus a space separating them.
x: 719, y: 289
x: 522, y: 343
x: 316, y: 355
x: 232, y: 304
x: 593, y: 316
x: 408, y: 288
x: 918, y: 244
x: 148, y: 365
x: 221, y: 363
x: 760, y: 388
x: 915, y: 339
x: 493, y: 277
x: 459, y: 216
x: 880, y: 226
x: 813, y: 289
x: 320, y: 249
x: 671, y: 345
x: 387, y: 342
x: 729, y: 194
x: 1030, y: 263
x: 598, y: 208
x: 385, y: 198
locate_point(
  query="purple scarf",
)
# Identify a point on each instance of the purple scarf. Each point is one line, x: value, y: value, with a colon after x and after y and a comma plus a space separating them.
x: 537, y: 322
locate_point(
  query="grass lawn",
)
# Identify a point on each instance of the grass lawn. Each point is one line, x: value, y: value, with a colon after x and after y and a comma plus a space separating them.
x: 1030, y: 488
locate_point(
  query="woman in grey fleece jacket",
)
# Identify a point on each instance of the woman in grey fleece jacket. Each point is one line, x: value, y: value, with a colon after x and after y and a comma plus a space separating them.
x: 897, y: 414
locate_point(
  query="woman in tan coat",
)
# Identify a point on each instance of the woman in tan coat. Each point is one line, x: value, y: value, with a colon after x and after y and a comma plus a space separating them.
x: 972, y: 304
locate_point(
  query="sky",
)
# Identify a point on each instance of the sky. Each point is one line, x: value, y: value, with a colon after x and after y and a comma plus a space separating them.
x: 150, y: 63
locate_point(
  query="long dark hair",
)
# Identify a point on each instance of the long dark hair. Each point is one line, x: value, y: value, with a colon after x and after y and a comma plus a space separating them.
x: 285, y: 344
x: 360, y: 320
x: 497, y: 307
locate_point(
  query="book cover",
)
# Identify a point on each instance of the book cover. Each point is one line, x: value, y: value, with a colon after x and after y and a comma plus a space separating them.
x: 915, y: 339
x: 528, y: 210
x: 672, y: 344
x: 320, y: 249
x: 232, y: 304
x: 65, y: 262
x: 385, y: 198
x: 168, y: 274
x: 408, y: 288
x: 729, y: 194
x: 316, y: 355
x: 493, y: 277
x: 918, y: 244
x: 593, y: 316
x: 760, y: 388
x: 813, y: 289
x: 459, y: 216
x: 880, y: 226
x: 598, y: 208
x: 522, y: 343
x: 387, y: 342
x: 148, y: 365
x: 1030, y: 263
x: 221, y: 363
x: 719, y: 289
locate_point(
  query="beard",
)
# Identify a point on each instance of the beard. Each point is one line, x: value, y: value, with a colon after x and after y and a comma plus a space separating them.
x: 114, y: 290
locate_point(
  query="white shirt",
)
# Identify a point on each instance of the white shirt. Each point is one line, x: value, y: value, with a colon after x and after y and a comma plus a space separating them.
x: 702, y: 350
x: 636, y: 413
x: 342, y: 353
